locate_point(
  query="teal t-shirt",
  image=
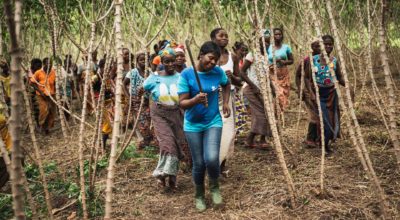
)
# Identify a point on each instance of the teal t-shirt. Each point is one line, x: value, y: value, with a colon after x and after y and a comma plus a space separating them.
x: 199, y: 118
x: 163, y: 89
x: 282, y: 53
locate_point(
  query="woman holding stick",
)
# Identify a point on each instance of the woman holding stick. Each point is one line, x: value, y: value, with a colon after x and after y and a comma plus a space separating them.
x: 203, y: 121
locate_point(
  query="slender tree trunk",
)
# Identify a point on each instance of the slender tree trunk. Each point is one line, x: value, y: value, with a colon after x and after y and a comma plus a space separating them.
x: 7, y: 161
x: 82, y: 125
x: 266, y: 91
x: 117, y: 120
x: 1, y: 38
x: 393, y: 131
x: 377, y: 94
x: 54, y: 45
x: 16, y: 127
x: 378, y: 190
x: 37, y: 153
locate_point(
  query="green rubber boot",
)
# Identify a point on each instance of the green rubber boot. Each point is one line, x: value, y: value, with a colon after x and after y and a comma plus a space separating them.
x: 215, y: 192
x: 199, y: 198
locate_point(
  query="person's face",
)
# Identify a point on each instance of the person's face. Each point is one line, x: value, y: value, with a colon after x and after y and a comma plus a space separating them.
x: 221, y: 39
x: 180, y: 58
x: 316, y: 48
x: 243, y: 51
x: 328, y: 43
x: 141, y: 62
x: 47, y: 66
x: 113, y: 70
x: 208, y: 61
x: 278, y: 36
x: 125, y: 56
x: 94, y: 56
x: 169, y: 63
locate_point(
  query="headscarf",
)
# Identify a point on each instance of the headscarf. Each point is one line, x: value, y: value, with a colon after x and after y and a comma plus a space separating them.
x: 167, y: 51
x: 178, y: 49
x: 265, y: 32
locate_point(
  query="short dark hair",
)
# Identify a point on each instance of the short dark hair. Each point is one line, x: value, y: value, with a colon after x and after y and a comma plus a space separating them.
x: 139, y: 55
x: 36, y: 64
x: 210, y: 47
x: 327, y: 36
x: 102, y: 63
x: 214, y: 32
x: 46, y: 61
x: 238, y: 45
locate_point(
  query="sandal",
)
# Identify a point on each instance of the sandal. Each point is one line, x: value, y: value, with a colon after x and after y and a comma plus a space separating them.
x: 264, y: 146
x: 251, y: 146
x: 311, y: 143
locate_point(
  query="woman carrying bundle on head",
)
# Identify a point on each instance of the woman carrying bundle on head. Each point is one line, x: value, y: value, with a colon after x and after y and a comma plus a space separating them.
x: 259, y: 121
x: 134, y: 81
x: 325, y: 80
x: 279, y: 57
x: 167, y: 118
x: 203, y: 121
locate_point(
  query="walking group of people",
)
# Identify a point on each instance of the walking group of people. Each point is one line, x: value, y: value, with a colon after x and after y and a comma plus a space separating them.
x: 194, y: 112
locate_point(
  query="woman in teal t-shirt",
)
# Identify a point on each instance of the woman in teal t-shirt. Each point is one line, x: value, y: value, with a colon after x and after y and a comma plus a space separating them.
x: 167, y: 119
x: 283, y: 57
x: 203, y: 122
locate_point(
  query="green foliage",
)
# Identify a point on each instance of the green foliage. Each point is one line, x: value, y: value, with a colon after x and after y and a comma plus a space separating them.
x: 6, y: 211
x: 131, y: 152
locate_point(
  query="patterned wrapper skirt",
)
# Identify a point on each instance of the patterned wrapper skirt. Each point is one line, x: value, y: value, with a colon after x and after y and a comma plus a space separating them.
x: 281, y: 85
x: 168, y: 127
x: 259, y: 121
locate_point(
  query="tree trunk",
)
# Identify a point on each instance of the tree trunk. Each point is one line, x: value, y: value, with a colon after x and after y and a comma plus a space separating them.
x: 37, y: 153
x: 266, y: 91
x: 7, y: 161
x: 117, y: 119
x: 1, y: 38
x: 393, y: 132
x: 15, y: 125
x: 378, y: 190
x: 82, y: 125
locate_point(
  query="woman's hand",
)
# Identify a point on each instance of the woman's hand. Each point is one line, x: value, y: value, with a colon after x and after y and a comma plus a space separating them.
x: 229, y: 74
x: 226, y: 110
x: 201, y: 98
x: 140, y: 91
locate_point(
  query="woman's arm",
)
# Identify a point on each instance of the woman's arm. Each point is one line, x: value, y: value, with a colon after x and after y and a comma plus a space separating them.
x: 185, y: 102
x: 226, y: 91
x: 245, y: 77
x: 235, y: 76
x: 289, y: 61
x: 126, y: 83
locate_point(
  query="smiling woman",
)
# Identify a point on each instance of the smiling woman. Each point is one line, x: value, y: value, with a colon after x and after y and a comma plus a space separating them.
x: 203, y: 125
x: 167, y: 119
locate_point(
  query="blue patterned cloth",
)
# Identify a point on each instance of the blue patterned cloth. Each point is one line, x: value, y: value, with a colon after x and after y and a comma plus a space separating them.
x: 322, y: 72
